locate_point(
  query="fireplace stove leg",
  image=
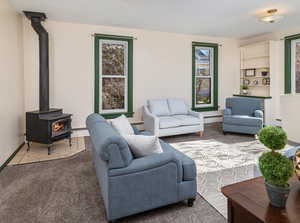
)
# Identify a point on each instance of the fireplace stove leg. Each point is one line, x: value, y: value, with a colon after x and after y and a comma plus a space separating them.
x: 49, y: 149
x: 70, y: 141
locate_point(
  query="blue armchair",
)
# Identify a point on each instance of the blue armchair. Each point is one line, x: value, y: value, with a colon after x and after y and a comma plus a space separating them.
x: 243, y: 115
x: 131, y: 185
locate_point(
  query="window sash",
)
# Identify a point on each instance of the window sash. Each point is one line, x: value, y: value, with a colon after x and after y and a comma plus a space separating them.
x: 102, y: 76
x: 293, y: 65
x: 210, y: 76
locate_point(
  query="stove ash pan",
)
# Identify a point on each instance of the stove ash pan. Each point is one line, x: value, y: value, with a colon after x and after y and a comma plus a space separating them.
x: 48, y: 126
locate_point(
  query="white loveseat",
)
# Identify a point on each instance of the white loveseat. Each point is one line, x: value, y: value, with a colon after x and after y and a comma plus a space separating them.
x: 166, y: 117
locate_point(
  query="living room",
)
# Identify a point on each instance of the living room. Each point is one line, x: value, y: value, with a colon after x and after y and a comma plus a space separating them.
x: 52, y: 57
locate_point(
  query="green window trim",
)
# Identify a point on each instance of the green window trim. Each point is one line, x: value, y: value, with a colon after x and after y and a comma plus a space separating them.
x: 288, y: 62
x: 129, y: 112
x: 215, y: 105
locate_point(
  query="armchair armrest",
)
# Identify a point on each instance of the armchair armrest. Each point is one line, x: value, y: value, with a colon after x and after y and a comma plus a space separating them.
x: 258, y: 114
x: 227, y: 111
x: 149, y: 162
x: 151, y: 122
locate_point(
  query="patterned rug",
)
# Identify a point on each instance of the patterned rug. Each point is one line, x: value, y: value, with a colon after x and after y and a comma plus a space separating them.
x: 220, y: 161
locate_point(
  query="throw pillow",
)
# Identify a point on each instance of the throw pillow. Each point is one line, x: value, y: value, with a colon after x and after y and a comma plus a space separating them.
x: 141, y: 145
x: 122, y: 125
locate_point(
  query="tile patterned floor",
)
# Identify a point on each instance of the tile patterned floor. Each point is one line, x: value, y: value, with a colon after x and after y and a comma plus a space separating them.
x: 38, y: 152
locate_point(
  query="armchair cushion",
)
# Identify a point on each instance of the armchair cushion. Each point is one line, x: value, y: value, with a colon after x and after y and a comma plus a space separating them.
x: 243, y: 120
x: 177, y: 107
x: 186, y: 120
x: 168, y: 122
x: 159, y: 107
x: 244, y: 106
x: 258, y: 113
x: 227, y: 111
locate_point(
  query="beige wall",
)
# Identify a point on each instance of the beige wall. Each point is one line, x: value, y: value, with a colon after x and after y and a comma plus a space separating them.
x: 287, y: 106
x: 162, y: 66
x: 11, y: 81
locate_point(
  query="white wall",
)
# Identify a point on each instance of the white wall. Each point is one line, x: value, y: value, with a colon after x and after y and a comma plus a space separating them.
x: 11, y: 81
x: 162, y: 66
x: 287, y: 106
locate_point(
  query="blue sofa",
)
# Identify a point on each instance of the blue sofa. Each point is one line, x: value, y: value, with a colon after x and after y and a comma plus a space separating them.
x: 243, y: 115
x: 131, y: 185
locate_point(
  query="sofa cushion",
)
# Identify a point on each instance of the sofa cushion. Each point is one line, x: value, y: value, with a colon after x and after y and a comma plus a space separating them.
x: 159, y: 107
x: 177, y: 107
x: 122, y: 125
x: 186, y: 120
x: 243, y: 120
x: 168, y: 122
x: 142, y: 145
x: 188, y: 165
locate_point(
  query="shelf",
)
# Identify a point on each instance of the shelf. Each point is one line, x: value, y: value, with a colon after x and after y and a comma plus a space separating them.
x: 258, y: 85
x: 256, y: 68
x: 254, y: 58
x: 256, y: 77
x: 252, y: 96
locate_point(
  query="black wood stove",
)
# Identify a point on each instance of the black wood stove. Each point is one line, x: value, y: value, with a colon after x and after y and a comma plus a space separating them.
x: 45, y: 125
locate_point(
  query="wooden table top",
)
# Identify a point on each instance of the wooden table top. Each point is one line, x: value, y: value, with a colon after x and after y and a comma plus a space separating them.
x: 252, y: 196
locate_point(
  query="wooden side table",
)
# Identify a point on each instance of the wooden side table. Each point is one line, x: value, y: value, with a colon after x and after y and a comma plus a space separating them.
x: 248, y: 203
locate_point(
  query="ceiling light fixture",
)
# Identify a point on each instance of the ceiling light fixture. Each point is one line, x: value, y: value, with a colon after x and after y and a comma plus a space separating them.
x: 271, y: 16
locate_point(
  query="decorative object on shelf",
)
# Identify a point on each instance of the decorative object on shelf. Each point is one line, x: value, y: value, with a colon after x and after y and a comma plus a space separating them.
x: 297, y: 163
x: 265, y: 73
x: 244, y: 89
x: 276, y: 168
x: 271, y: 16
x: 255, y: 82
x: 250, y: 73
x: 266, y: 81
x: 246, y: 82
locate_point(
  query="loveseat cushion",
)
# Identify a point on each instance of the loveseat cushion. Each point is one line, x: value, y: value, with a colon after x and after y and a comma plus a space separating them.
x: 159, y: 107
x: 177, y: 107
x: 243, y: 120
x: 187, y: 120
x: 168, y: 122
x: 188, y: 165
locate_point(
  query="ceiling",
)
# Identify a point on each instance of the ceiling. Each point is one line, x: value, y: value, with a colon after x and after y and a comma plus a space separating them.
x: 228, y: 18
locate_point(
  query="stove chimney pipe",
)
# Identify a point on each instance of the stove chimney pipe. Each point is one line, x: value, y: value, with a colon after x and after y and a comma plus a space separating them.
x: 36, y: 18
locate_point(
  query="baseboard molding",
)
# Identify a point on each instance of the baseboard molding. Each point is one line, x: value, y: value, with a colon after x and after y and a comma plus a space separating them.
x: 11, y: 156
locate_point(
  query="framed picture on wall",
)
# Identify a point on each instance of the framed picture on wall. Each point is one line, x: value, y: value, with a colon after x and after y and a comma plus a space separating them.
x: 250, y: 73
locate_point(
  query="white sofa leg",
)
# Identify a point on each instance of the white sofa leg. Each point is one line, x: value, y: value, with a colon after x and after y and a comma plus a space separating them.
x: 201, y: 133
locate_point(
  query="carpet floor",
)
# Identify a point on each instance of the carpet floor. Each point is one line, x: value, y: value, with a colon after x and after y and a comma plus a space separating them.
x: 221, y: 160
x: 66, y: 191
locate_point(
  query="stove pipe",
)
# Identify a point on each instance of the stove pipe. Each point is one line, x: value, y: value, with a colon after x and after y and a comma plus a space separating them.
x: 36, y: 18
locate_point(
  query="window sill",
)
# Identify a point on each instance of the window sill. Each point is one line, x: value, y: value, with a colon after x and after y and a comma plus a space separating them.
x: 115, y: 115
x: 204, y: 109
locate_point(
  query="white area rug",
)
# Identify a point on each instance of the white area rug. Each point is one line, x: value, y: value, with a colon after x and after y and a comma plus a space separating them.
x: 222, y: 161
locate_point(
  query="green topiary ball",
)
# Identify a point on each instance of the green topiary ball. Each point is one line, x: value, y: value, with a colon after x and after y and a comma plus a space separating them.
x: 273, y: 137
x: 276, y: 168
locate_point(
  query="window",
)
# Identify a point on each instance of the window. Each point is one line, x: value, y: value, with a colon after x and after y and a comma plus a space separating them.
x: 113, y: 75
x: 292, y: 64
x: 205, y: 76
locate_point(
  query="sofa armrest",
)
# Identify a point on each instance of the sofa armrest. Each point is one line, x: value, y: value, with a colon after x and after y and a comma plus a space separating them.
x: 227, y: 111
x: 198, y: 115
x: 149, y: 162
x: 151, y: 122
x: 258, y: 114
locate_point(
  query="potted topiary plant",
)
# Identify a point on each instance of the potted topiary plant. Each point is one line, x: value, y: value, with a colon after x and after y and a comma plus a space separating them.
x: 244, y: 89
x: 276, y: 168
